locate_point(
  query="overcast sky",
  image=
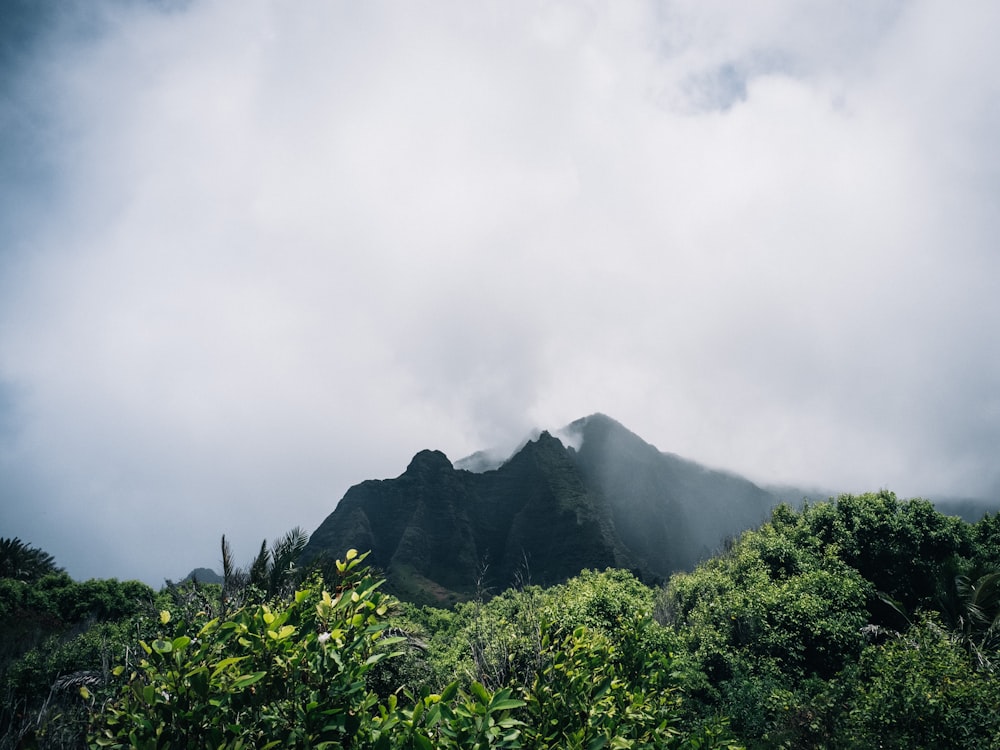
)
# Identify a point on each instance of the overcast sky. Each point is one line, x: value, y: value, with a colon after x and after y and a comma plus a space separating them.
x: 253, y: 252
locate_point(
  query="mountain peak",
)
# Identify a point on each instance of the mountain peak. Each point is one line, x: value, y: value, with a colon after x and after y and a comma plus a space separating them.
x: 590, y: 495
x: 599, y: 429
x: 429, y: 462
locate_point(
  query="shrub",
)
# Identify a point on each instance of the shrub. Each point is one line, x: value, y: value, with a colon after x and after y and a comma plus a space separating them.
x: 287, y: 676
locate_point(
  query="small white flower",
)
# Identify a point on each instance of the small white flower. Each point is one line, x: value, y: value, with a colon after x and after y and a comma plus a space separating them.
x: 165, y: 694
x: 323, y: 637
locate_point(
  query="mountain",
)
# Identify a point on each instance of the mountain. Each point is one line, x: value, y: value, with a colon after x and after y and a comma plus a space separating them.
x: 599, y: 497
x: 202, y: 575
x: 668, y: 512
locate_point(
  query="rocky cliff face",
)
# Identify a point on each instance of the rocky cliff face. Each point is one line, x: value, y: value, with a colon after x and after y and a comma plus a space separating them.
x: 549, y: 511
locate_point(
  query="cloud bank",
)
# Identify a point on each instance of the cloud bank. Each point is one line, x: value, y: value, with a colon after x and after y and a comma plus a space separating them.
x: 256, y: 252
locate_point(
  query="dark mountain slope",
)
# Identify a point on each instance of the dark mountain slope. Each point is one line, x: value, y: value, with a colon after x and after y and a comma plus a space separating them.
x: 414, y: 525
x: 536, y: 516
x: 439, y: 533
x: 669, y: 513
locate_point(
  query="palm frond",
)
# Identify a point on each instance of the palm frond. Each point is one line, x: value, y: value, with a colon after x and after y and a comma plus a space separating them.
x: 285, y: 553
x: 259, y: 568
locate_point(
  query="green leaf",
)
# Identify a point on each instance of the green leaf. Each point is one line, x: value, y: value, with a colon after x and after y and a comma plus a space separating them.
x: 161, y: 646
x: 480, y: 692
x: 449, y: 692
x: 227, y: 662
x: 247, y: 680
x: 603, y: 688
x: 208, y: 627
x: 181, y: 642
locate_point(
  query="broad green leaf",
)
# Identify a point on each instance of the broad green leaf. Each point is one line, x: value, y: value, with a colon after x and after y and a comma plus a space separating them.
x: 247, y: 680
x: 480, y: 692
x: 208, y: 627
x: 228, y: 662
x: 181, y: 642
x: 449, y: 692
x: 506, y: 704
x: 161, y: 646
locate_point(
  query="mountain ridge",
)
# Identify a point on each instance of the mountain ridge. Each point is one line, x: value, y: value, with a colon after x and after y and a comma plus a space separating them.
x: 442, y: 533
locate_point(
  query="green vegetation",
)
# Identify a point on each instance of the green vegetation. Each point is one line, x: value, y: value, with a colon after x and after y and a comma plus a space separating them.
x: 22, y: 562
x: 861, y: 622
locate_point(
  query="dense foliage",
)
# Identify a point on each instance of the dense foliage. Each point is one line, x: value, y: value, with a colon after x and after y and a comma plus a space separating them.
x: 22, y: 562
x: 864, y: 622
x: 59, y: 634
x: 801, y: 630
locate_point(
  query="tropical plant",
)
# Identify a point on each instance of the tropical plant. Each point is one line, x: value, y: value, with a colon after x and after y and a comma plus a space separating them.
x: 23, y: 562
x: 919, y: 690
x: 272, y: 573
x: 266, y: 676
x: 592, y: 694
x: 904, y: 548
x: 969, y: 606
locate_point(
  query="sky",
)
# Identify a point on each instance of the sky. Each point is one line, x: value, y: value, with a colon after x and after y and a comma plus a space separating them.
x: 255, y: 252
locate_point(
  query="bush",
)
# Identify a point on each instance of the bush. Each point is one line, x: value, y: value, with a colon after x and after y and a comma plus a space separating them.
x: 287, y: 676
x: 920, y: 690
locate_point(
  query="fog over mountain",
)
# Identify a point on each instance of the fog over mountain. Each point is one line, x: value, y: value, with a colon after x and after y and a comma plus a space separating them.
x: 253, y: 253
x: 604, y: 498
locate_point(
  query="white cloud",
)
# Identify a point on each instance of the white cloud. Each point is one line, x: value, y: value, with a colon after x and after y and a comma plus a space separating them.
x: 288, y: 246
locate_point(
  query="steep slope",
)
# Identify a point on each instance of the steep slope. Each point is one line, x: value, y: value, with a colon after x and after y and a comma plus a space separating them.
x: 669, y: 513
x: 536, y: 517
x: 441, y: 533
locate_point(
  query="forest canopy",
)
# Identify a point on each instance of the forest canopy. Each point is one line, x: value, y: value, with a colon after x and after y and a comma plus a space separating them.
x: 859, y: 622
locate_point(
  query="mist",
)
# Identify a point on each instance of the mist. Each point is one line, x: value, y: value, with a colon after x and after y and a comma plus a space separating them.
x: 255, y: 253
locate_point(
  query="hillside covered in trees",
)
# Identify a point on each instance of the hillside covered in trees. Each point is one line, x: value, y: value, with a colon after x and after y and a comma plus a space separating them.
x: 861, y: 622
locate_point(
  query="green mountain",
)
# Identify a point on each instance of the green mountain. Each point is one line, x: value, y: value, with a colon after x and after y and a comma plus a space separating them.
x: 202, y: 575
x: 598, y: 497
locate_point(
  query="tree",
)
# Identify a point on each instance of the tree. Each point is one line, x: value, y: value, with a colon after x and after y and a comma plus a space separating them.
x: 919, y: 690
x: 287, y: 674
x: 763, y: 625
x: 273, y: 572
x: 23, y: 562
x: 904, y: 548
